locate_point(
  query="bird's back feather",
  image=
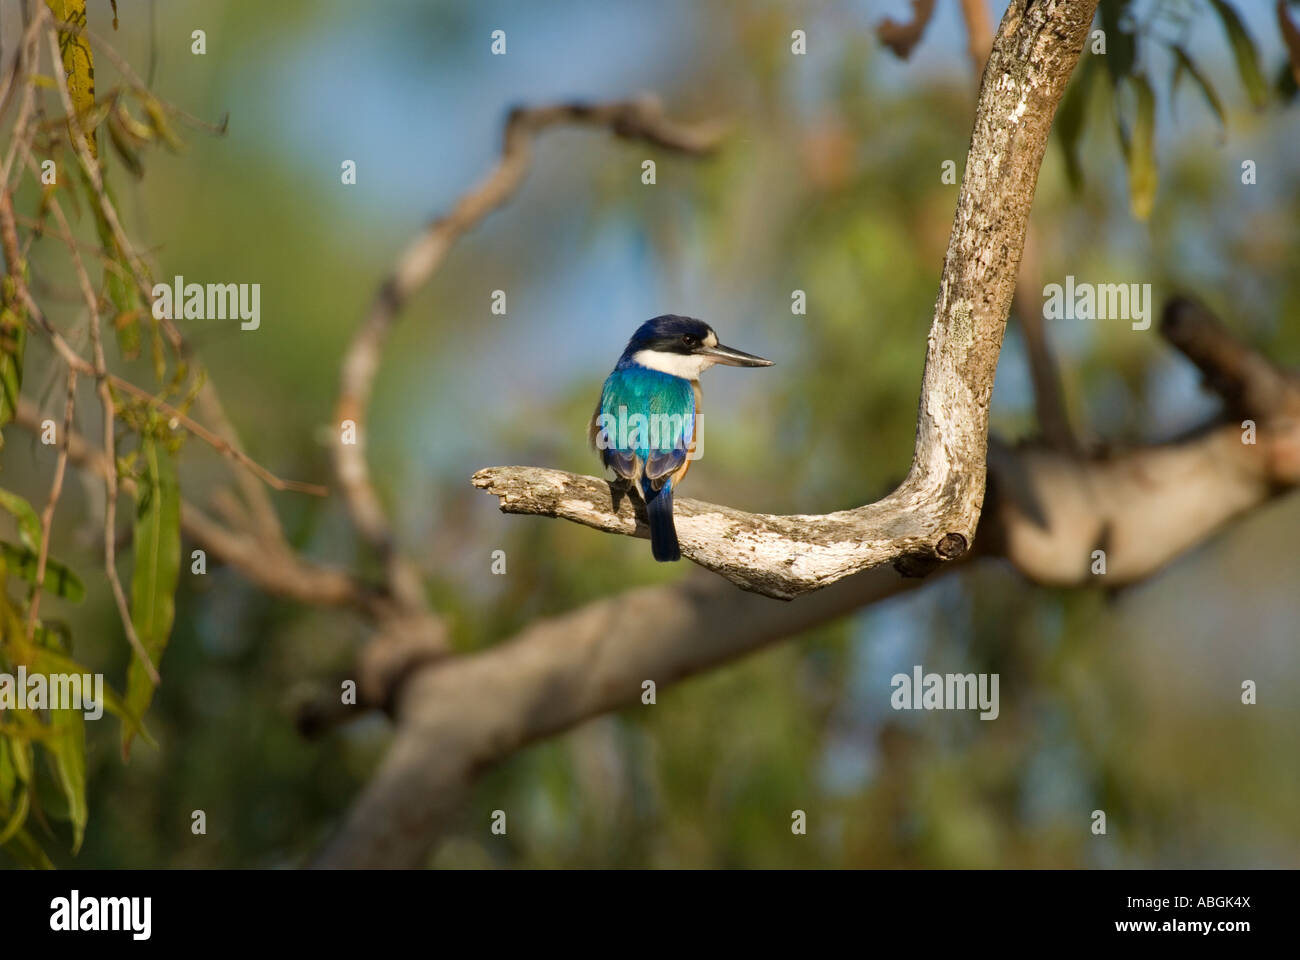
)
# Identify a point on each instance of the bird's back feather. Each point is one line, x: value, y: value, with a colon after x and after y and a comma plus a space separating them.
x: 643, y: 429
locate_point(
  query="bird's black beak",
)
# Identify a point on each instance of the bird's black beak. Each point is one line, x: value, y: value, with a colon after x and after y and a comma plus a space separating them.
x: 733, y: 358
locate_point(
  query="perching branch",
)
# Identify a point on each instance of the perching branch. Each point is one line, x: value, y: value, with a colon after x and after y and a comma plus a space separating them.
x: 631, y: 120
x: 1047, y: 512
x: 932, y: 516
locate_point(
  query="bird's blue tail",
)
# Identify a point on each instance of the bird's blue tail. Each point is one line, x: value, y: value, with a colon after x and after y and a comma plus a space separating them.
x: 663, y: 533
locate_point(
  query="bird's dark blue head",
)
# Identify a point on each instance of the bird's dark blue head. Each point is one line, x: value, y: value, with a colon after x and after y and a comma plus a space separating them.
x: 683, y: 347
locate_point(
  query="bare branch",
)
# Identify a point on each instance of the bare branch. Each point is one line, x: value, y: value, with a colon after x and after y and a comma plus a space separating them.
x: 1049, y: 401
x: 1250, y: 384
x: 979, y: 33
x: 902, y: 37
x: 932, y: 516
x: 278, y: 573
x: 1047, y: 511
x: 27, y: 54
x: 460, y: 716
x: 633, y: 120
x: 110, y: 451
x: 47, y: 515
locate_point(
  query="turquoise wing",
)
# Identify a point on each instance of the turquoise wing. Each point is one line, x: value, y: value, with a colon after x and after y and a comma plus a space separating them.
x: 645, y: 416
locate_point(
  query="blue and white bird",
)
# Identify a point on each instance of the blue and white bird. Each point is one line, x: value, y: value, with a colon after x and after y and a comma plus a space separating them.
x: 646, y: 424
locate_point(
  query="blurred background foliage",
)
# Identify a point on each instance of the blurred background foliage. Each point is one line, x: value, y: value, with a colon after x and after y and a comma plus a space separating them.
x: 1125, y: 701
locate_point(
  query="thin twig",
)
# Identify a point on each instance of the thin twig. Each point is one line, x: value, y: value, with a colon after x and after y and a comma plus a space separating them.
x: 47, y: 515
x: 27, y: 40
x: 25, y: 107
x: 218, y: 443
x: 276, y: 573
x: 110, y: 451
x: 269, y: 524
x: 76, y: 362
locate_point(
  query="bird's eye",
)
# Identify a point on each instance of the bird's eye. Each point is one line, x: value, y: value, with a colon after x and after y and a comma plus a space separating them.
x: 689, y: 340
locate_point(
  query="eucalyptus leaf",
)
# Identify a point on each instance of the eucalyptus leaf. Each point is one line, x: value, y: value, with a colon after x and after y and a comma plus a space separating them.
x: 1184, y: 64
x: 67, y: 747
x: 59, y: 579
x: 157, y: 549
x: 29, y: 525
x: 1244, y: 52
x: 1141, y: 150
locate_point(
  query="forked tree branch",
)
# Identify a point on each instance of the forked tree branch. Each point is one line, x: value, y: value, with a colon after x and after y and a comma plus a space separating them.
x: 1048, y: 512
x: 933, y: 514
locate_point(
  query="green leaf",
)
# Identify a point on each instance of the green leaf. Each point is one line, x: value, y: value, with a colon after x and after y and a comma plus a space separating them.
x: 49, y: 661
x: 59, y: 579
x: 1121, y: 45
x: 1184, y: 64
x: 16, y: 819
x: 8, y: 781
x: 29, y: 525
x: 1071, y: 116
x: 1243, y: 51
x: 67, y: 746
x: 53, y: 633
x: 8, y: 775
x: 117, y: 277
x: 1140, y: 150
x: 27, y: 852
x: 13, y: 343
x: 22, y: 756
x: 123, y: 147
x: 157, y: 570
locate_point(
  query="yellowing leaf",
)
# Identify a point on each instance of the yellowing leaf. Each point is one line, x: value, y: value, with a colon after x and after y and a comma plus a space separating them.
x: 13, y: 342
x: 78, y: 64
x: 1140, y: 150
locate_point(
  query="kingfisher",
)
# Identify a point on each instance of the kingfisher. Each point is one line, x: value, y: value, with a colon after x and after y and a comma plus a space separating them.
x: 647, y: 421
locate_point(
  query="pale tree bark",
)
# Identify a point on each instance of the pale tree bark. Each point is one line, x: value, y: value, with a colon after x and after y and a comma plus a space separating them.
x: 1048, y: 512
x: 456, y: 716
x: 933, y: 514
